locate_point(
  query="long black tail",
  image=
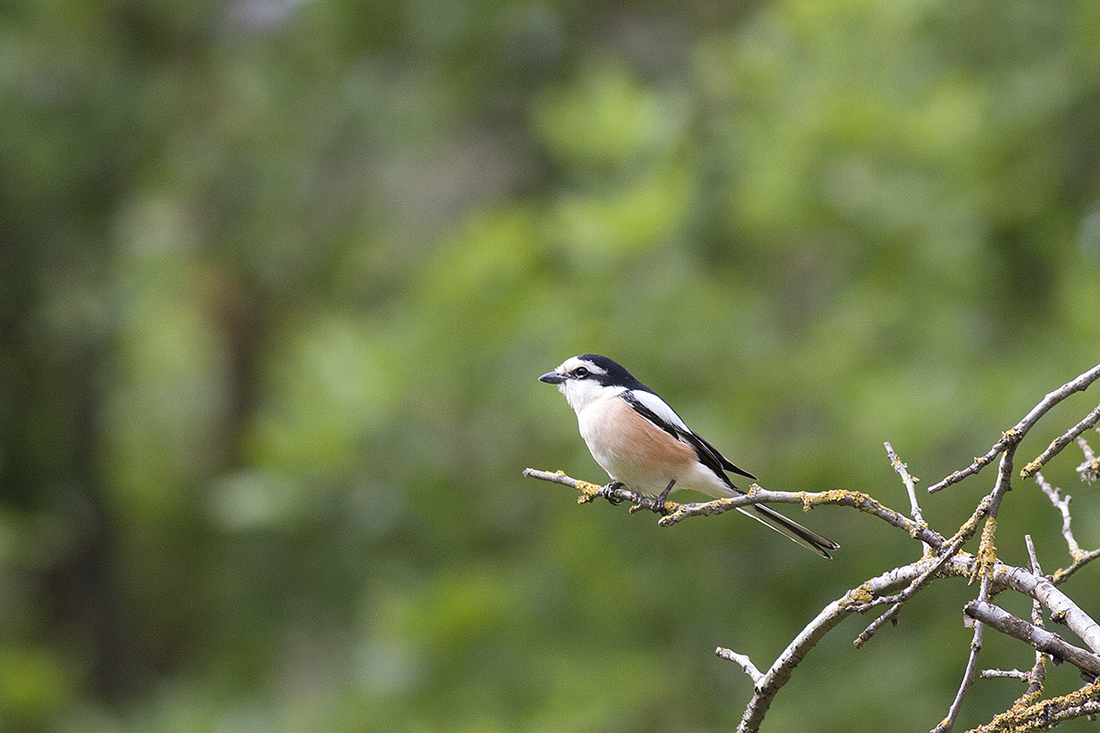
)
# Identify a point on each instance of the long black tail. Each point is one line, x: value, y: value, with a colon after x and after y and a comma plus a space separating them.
x: 812, y: 541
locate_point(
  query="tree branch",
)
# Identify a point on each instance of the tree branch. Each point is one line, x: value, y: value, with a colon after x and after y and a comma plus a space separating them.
x: 947, y: 552
x: 1059, y: 443
x: 1040, y: 638
x: 1015, y: 434
x: 1090, y: 469
x: 746, y: 664
x: 1038, y: 673
x: 1062, y: 505
x: 1046, y: 714
x: 908, y: 480
x: 768, y: 685
x: 675, y: 512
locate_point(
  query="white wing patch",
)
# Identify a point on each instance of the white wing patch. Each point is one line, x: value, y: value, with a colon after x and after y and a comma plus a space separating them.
x: 660, y: 408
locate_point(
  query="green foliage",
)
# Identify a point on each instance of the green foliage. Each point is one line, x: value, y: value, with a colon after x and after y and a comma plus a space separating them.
x: 278, y: 278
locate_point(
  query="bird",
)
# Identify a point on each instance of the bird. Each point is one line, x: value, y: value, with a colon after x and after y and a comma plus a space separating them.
x: 642, y: 443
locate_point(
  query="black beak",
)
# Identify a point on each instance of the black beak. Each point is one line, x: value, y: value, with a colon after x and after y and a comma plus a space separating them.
x: 552, y: 378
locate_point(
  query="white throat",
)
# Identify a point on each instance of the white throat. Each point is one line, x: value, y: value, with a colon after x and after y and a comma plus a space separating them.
x: 580, y: 393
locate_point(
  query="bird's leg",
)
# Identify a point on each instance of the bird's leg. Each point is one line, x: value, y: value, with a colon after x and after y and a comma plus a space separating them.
x: 660, y: 503
x: 606, y: 492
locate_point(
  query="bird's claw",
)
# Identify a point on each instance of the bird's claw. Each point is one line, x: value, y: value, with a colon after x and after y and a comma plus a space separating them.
x: 659, y: 503
x: 608, y: 492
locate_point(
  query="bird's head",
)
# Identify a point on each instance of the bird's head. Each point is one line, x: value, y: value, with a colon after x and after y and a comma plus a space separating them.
x: 585, y: 378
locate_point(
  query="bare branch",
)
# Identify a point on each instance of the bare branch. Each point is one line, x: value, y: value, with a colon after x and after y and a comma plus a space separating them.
x: 908, y: 480
x: 559, y: 477
x: 1062, y: 609
x: 746, y: 664
x: 947, y: 552
x: 1038, y: 672
x: 1090, y: 469
x: 1015, y: 434
x: 1060, y: 576
x: 675, y: 512
x: 1062, y: 505
x: 1041, y: 639
x: 989, y: 674
x: 961, y: 565
x: 986, y: 561
x: 971, y: 670
x: 1079, y: 556
x: 1059, y: 443
x: 766, y: 687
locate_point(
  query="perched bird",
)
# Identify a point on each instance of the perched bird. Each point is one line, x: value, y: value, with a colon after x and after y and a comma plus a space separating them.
x: 641, y: 442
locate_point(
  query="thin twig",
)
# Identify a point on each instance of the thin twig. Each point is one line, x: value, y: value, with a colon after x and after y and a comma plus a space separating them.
x: 989, y: 674
x: 1062, y: 575
x: 1090, y: 469
x: 908, y: 480
x: 746, y: 664
x: 1061, y: 503
x: 947, y: 552
x: 1060, y: 442
x: 969, y: 673
x: 1037, y: 675
x: 1015, y: 434
x: 986, y: 560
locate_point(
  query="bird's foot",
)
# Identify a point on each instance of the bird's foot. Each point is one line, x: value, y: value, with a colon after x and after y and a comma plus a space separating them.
x: 659, y: 503
x: 608, y: 492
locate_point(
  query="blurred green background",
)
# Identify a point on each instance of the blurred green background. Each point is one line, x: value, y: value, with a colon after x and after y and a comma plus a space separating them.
x: 278, y: 278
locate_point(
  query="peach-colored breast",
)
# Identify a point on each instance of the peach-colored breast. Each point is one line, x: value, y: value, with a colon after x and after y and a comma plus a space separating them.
x: 638, y: 453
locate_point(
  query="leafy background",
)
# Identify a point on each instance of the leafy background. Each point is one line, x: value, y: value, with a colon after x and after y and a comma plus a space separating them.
x: 278, y: 277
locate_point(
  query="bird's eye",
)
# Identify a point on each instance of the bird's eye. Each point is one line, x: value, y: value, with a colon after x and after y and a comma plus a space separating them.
x: 580, y: 372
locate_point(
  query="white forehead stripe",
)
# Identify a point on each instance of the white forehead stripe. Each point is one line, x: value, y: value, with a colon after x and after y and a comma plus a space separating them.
x: 573, y: 362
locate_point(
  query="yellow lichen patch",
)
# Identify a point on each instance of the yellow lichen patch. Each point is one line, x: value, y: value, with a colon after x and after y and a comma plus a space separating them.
x: 971, y: 525
x: 859, y: 596
x: 1038, y: 715
x: 1030, y: 469
x: 986, y: 557
x: 836, y: 496
x: 916, y: 527
x: 671, y: 507
x: 1032, y: 697
x: 671, y: 518
x: 588, y: 491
